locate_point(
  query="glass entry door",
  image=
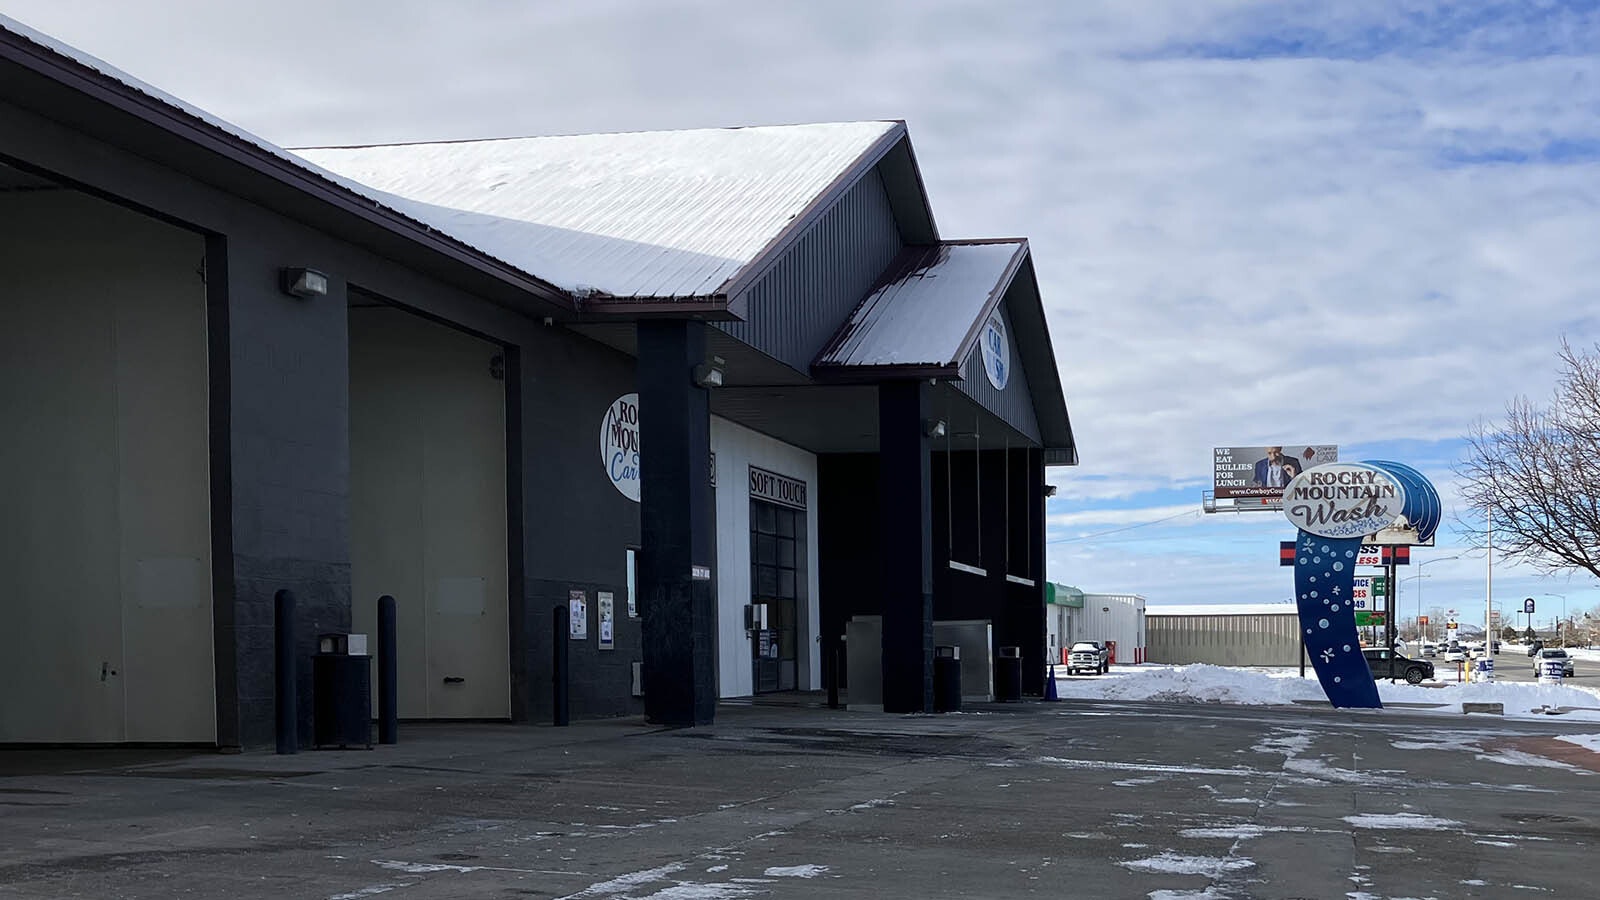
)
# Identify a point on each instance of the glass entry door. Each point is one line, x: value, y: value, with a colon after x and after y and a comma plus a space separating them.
x: 774, y: 532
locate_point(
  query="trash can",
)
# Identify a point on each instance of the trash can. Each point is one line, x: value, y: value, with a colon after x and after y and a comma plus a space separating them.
x: 1483, y: 671
x: 1008, y: 674
x: 341, y: 691
x: 947, y: 679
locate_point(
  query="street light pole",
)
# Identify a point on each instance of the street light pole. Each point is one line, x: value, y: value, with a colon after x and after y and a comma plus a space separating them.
x: 1563, y: 610
x: 1418, y: 576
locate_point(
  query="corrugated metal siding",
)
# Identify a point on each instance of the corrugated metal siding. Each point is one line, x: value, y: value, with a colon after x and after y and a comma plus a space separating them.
x: 797, y: 306
x: 1247, y: 640
x: 1015, y: 403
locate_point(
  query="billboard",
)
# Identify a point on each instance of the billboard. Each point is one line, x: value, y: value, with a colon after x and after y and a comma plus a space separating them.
x: 1244, y: 473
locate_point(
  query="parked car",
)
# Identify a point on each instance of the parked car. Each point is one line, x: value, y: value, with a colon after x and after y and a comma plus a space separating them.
x: 1454, y: 653
x: 1553, y: 653
x: 1414, y: 671
x: 1430, y: 648
x: 1088, y: 656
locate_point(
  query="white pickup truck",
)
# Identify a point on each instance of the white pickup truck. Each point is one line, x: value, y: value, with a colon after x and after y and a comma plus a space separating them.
x: 1088, y: 656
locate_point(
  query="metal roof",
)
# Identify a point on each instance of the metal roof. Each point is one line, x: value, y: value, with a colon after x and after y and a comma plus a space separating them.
x: 928, y: 311
x: 646, y: 215
x: 1223, y: 609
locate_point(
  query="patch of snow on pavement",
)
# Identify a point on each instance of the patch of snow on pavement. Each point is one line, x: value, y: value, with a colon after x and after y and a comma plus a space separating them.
x: 1397, y: 821
x: 689, y: 890
x: 1519, y: 758
x: 1178, y: 864
x: 370, y: 891
x: 807, y: 871
x: 1207, y: 894
x: 625, y: 883
x: 1203, y: 683
x: 1239, y: 832
x: 1586, y: 741
x: 411, y: 868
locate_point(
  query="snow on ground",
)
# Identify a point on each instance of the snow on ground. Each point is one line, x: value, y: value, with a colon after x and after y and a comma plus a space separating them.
x: 1201, y: 683
x: 1586, y: 741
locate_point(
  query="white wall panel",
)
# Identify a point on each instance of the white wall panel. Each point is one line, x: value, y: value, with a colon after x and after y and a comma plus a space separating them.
x: 737, y: 449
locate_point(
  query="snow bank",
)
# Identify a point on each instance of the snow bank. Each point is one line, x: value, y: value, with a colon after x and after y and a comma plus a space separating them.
x: 1201, y: 683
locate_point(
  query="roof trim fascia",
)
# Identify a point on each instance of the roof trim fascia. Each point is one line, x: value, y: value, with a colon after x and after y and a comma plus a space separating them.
x: 801, y: 223
x: 837, y: 374
x: 612, y: 310
x: 45, y: 62
x: 1053, y: 384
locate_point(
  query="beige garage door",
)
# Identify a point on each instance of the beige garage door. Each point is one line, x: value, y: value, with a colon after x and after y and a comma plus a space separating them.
x: 428, y: 508
x: 105, y: 566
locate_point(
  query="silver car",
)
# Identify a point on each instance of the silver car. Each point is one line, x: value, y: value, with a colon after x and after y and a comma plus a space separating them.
x: 1553, y: 654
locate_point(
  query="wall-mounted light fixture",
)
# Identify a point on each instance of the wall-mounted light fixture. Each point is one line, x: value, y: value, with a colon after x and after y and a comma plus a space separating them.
x: 298, y: 282
x: 1049, y: 490
x: 709, y: 374
x: 934, y: 428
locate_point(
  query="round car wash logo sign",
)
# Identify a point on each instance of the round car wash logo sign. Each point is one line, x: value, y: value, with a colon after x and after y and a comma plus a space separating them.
x: 619, y: 445
x: 996, y: 352
x: 1343, y: 500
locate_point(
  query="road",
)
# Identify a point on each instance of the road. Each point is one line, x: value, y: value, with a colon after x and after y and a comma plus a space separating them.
x: 1514, y: 665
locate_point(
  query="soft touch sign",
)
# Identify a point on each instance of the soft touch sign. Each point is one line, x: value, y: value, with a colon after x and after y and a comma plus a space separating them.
x: 1341, y: 500
x: 619, y: 445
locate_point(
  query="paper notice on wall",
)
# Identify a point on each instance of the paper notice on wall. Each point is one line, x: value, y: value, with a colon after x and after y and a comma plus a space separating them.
x: 578, y: 618
x: 607, y: 620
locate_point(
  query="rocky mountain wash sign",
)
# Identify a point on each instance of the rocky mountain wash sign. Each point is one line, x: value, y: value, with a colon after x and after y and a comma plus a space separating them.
x: 1341, y: 500
x: 619, y: 445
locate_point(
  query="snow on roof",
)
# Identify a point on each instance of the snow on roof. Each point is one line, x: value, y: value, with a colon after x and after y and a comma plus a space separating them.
x: 1223, y: 609
x: 924, y: 316
x: 648, y: 215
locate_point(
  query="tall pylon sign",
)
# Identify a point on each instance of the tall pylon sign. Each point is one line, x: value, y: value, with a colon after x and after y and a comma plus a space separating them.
x: 1336, y: 507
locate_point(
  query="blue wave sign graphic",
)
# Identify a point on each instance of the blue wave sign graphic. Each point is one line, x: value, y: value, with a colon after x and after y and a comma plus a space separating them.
x: 1324, y: 582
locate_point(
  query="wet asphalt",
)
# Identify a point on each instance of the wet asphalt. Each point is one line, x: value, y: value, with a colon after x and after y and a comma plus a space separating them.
x: 791, y: 799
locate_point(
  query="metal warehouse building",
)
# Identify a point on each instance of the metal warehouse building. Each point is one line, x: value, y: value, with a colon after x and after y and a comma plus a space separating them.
x: 714, y: 392
x: 1241, y: 634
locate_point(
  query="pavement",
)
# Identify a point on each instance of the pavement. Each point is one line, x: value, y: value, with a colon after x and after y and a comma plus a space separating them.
x: 787, y: 798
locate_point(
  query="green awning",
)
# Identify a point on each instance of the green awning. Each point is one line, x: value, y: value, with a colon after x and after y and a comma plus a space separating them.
x: 1063, y: 595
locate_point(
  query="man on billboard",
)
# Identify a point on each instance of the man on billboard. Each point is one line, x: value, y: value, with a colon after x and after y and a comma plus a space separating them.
x: 1276, y: 470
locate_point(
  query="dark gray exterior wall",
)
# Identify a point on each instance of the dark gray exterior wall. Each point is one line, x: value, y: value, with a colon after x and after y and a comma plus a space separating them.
x: 1015, y: 403
x: 1005, y: 533
x: 795, y: 308
x: 288, y: 450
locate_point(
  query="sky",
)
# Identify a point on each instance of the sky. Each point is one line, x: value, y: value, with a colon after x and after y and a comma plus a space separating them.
x: 1367, y: 223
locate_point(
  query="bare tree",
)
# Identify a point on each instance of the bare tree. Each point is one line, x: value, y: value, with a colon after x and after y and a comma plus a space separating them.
x: 1538, y: 475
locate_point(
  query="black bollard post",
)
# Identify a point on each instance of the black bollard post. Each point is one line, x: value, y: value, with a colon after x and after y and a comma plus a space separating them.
x: 388, y: 673
x: 833, y: 674
x: 558, y: 633
x: 285, y: 674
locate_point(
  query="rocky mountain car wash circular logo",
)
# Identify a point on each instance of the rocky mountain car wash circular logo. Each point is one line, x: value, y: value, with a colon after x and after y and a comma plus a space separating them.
x: 1343, y: 500
x: 619, y: 445
x: 996, y: 352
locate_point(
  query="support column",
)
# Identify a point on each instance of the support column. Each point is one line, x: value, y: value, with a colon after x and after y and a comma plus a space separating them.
x: 1033, y: 515
x: 905, y: 509
x: 674, y: 576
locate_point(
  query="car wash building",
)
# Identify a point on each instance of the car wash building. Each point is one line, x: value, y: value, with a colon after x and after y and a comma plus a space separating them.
x: 712, y: 393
